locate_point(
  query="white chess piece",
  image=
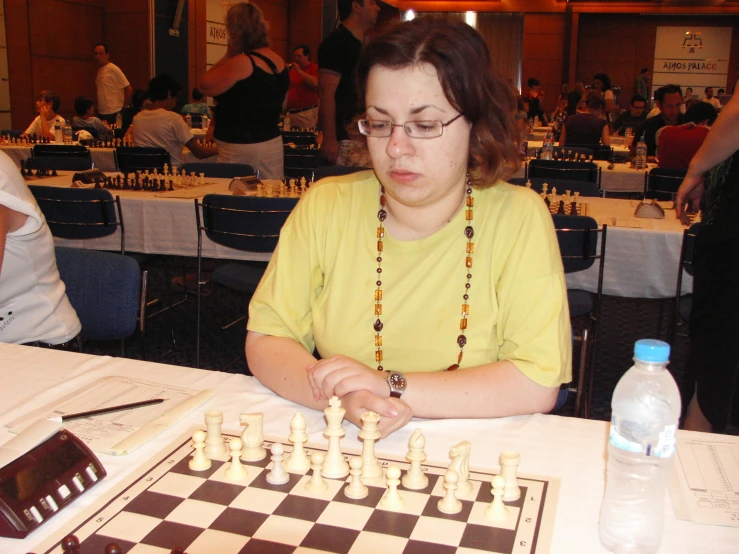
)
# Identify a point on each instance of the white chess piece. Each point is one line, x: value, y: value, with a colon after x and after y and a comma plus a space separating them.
x: 316, y: 482
x: 509, y: 462
x: 392, y: 500
x: 497, y: 511
x: 298, y: 460
x: 199, y: 461
x: 449, y: 503
x: 460, y: 455
x: 235, y: 471
x: 335, y: 466
x: 372, y: 470
x: 214, y: 443
x: 252, y: 437
x: 278, y: 475
x: 355, y: 489
x: 415, y: 478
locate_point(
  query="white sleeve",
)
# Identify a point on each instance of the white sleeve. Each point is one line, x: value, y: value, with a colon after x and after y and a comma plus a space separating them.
x: 120, y: 78
x: 32, y: 127
x: 181, y: 132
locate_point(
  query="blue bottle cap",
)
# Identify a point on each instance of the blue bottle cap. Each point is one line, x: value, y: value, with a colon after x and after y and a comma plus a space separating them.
x: 651, y: 350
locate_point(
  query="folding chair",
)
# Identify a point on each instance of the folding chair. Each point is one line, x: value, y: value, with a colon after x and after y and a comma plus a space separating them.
x: 537, y: 184
x: 224, y: 170
x: 300, y: 138
x: 246, y: 223
x: 301, y: 162
x: 60, y: 151
x: 130, y: 159
x: 569, y: 171
x: 662, y: 183
x: 578, y: 238
x: 683, y: 302
x: 61, y: 163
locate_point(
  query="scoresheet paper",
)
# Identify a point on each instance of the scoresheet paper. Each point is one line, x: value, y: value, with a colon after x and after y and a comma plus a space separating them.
x: 704, y: 484
x: 119, y: 433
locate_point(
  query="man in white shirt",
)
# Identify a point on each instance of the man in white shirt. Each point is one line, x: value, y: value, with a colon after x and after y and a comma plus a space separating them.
x: 160, y: 126
x: 47, y: 105
x: 114, y: 90
x: 711, y: 99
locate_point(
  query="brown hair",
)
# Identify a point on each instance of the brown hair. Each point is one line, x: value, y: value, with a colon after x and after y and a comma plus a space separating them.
x: 247, y: 27
x: 462, y: 61
x: 594, y: 100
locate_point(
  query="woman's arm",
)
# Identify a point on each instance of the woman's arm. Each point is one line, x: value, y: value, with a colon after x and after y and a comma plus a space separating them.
x: 605, y: 137
x: 225, y: 74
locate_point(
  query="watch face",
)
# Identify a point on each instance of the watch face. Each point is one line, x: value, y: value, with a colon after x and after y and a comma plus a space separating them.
x: 397, y: 382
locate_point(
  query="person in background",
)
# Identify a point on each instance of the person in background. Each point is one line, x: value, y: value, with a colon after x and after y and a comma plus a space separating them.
x: 114, y: 90
x: 602, y: 83
x: 47, y: 106
x: 720, y: 92
x: 587, y: 128
x: 302, y: 96
x: 641, y: 84
x: 337, y: 58
x: 249, y: 84
x: 85, y: 118
x: 160, y: 126
x: 536, y: 111
x: 712, y: 182
x: 711, y: 99
x: 534, y: 89
x: 198, y: 104
x: 563, y: 92
x: 677, y: 144
x: 633, y: 117
x: 668, y: 99
x: 34, y: 308
x: 398, y: 241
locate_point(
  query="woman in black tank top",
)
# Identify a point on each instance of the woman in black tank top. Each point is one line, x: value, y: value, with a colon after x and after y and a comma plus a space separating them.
x: 249, y: 84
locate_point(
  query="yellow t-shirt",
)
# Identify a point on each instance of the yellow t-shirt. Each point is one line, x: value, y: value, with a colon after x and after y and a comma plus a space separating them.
x: 319, y: 287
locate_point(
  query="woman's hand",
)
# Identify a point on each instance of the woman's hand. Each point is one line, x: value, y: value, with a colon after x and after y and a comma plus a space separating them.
x: 340, y: 375
x: 690, y: 192
x: 393, y: 412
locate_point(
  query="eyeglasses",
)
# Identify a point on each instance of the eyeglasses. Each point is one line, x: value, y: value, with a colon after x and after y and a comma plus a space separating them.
x: 414, y: 129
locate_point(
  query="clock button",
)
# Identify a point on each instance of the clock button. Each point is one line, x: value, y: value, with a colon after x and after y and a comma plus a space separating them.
x: 35, y: 513
x: 77, y: 482
x: 64, y: 492
x: 52, y: 503
x: 91, y: 474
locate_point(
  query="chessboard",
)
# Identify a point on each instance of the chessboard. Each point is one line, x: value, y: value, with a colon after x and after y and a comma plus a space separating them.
x: 165, y: 506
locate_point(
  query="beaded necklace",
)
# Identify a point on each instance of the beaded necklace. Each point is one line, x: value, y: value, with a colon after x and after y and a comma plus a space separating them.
x: 469, y: 232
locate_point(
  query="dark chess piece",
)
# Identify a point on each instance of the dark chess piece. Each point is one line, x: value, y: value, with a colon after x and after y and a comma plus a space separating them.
x: 113, y: 548
x: 70, y: 545
x: 546, y: 200
x: 54, y: 173
x: 97, y: 183
x: 573, y: 208
x: 171, y: 184
x: 561, y: 210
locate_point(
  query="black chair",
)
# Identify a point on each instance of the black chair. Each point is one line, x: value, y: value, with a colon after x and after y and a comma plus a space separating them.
x: 334, y: 171
x: 301, y: 162
x: 61, y: 151
x: 223, y: 170
x: 105, y: 290
x: 537, y: 184
x: 300, y: 138
x: 578, y: 238
x: 662, y: 183
x: 61, y: 163
x: 246, y: 223
x: 567, y: 152
x: 569, y: 171
x: 130, y: 159
x: 683, y: 302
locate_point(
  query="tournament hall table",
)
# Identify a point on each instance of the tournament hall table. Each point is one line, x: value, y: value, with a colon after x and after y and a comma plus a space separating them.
x: 621, y: 178
x: 642, y: 255
x: 573, y: 450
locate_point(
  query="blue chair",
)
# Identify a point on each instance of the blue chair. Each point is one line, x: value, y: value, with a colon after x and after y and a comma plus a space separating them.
x: 60, y: 163
x: 569, y: 171
x: 105, y: 290
x: 130, y: 159
x: 223, y: 170
x: 537, y: 184
x: 578, y: 238
x: 60, y: 151
x: 247, y: 223
x: 662, y: 183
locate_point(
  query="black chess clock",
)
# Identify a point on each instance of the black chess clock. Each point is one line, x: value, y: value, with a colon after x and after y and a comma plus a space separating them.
x: 43, y: 481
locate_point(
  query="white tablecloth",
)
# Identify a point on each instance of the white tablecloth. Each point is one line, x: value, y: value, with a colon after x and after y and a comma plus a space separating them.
x: 622, y: 178
x: 568, y: 448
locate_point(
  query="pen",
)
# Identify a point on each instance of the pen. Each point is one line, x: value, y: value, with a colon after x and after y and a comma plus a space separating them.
x: 111, y: 409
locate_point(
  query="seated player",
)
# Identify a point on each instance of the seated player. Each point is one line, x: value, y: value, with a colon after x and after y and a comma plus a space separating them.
x: 631, y: 118
x: 589, y: 127
x: 429, y: 265
x: 198, y: 105
x: 160, y: 126
x: 47, y: 105
x: 34, y: 308
x: 677, y: 144
x: 85, y: 108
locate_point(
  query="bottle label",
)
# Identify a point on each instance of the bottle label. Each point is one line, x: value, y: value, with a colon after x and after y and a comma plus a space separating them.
x: 631, y: 437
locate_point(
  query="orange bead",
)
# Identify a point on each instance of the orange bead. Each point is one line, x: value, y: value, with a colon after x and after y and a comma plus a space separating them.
x: 468, y: 261
x: 470, y: 247
x: 463, y: 324
x: 459, y: 358
x: 469, y: 215
x: 379, y: 246
x: 470, y: 201
x: 378, y: 295
x: 378, y: 355
x: 465, y: 309
x: 378, y: 340
x: 380, y: 232
x: 378, y: 309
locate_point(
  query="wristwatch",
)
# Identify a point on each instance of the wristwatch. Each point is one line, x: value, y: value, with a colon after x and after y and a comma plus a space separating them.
x: 397, y: 383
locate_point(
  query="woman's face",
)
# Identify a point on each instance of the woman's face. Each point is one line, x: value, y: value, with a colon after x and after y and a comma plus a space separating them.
x: 416, y: 172
x: 597, y: 84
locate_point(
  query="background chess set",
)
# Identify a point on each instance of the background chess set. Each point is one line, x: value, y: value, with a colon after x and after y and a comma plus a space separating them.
x: 165, y: 505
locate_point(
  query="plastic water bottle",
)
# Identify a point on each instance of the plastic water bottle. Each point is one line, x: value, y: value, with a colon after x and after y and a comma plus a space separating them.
x: 119, y: 120
x: 546, y: 151
x: 640, y: 160
x: 67, y: 132
x: 58, y: 133
x: 646, y: 409
x: 205, y: 123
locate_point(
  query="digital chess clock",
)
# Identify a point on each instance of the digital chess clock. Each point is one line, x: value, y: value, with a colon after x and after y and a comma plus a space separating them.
x: 44, y: 480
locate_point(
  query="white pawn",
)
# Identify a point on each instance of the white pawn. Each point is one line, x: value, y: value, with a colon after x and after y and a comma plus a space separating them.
x: 497, y: 511
x: 355, y: 489
x: 392, y: 500
x: 450, y: 504
x: 278, y: 475
x: 316, y: 482
x: 199, y: 461
x: 508, y: 467
x: 298, y: 460
x: 236, y: 470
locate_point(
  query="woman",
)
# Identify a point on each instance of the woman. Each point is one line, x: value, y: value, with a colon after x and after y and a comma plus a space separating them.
x: 602, y: 83
x: 588, y: 128
x: 249, y: 84
x: 372, y: 268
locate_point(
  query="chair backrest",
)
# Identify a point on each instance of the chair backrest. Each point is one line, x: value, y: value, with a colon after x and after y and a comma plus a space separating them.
x: 335, y: 170
x: 246, y: 223
x: 61, y: 150
x: 225, y: 170
x: 687, y: 252
x: 129, y: 159
x: 577, y: 236
x: 562, y: 185
x: 300, y: 162
x: 79, y: 213
x: 104, y: 289
x: 300, y: 138
x: 570, y: 171
x: 63, y: 163
x: 662, y: 183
